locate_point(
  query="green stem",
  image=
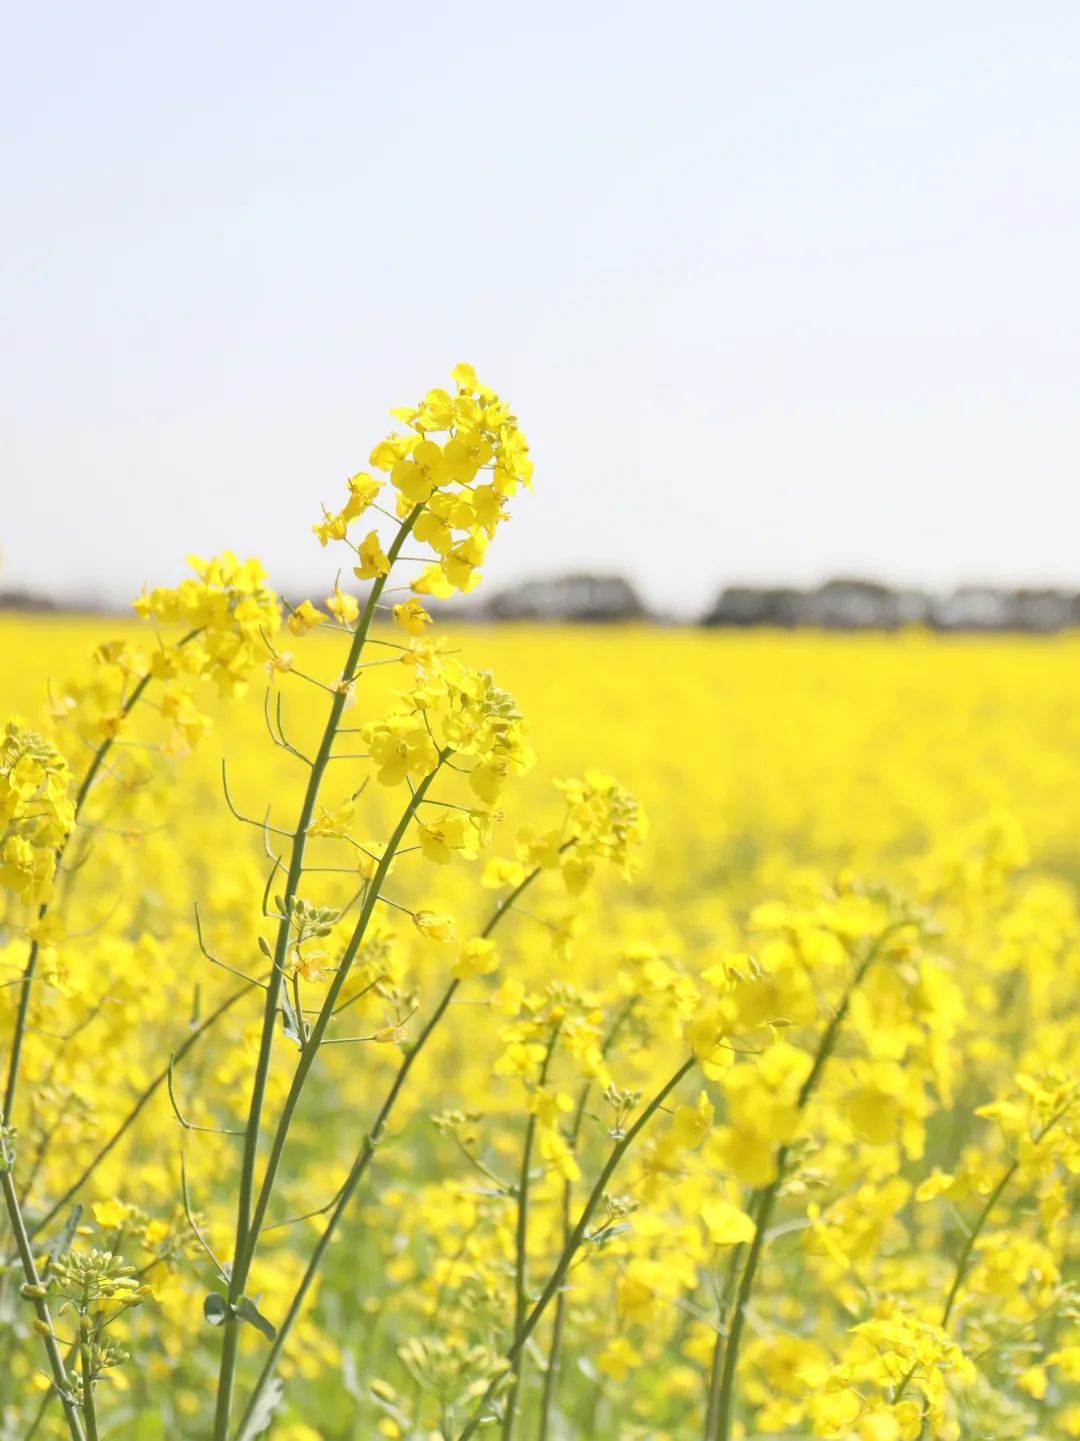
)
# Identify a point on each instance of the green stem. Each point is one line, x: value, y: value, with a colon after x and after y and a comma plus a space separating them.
x: 363, y: 1159
x: 762, y: 1205
x: 311, y: 1045
x: 133, y: 1115
x: 765, y: 1203
x: 969, y: 1245
x: 244, y: 1248
x: 716, y: 1371
x: 521, y: 1245
x: 964, y: 1258
x: 11, y: 1200
x: 962, y: 1263
x: 345, y: 1195
x: 21, y: 1015
x: 89, y: 1410
x: 31, y: 1277
x: 558, y: 1325
x: 39, y: 1415
x: 558, y: 1275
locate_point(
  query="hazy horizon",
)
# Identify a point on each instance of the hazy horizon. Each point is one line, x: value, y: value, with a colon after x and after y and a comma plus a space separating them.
x: 779, y: 292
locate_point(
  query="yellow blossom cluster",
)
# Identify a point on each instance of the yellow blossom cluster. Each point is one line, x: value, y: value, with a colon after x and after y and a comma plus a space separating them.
x: 451, y: 491
x: 36, y: 810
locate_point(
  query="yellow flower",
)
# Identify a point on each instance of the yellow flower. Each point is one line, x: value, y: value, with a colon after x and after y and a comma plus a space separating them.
x: 435, y: 925
x: 110, y: 1214
x: 363, y: 491
x: 690, y: 1124
x: 477, y: 957
x: 344, y: 608
x: 412, y: 617
x: 304, y: 618
x: 725, y: 1223
x: 373, y: 559
x: 333, y: 823
x: 618, y: 1358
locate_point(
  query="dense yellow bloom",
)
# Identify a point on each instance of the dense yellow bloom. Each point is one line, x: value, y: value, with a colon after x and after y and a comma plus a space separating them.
x: 853, y: 936
x: 476, y: 958
x: 412, y: 617
x: 373, y: 561
x: 304, y: 618
x: 435, y: 925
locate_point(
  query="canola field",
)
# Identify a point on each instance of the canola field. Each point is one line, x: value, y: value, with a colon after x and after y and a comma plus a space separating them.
x: 418, y: 1031
x: 790, y: 781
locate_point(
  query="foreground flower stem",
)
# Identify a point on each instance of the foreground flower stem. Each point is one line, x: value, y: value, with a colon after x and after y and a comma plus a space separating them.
x: 716, y: 1372
x: 11, y: 1195
x: 29, y: 974
x: 318, y: 1030
x: 132, y: 1116
x: 30, y: 1274
x: 363, y: 1159
x: 963, y: 1260
x: 558, y: 1325
x: 558, y: 1276
x: 763, y: 1202
x: 968, y: 1248
x: 89, y: 1409
x: 521, y: 1244
x: 246, y: 1237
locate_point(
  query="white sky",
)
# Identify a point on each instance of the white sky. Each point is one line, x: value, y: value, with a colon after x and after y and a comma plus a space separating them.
x: 779, y: 289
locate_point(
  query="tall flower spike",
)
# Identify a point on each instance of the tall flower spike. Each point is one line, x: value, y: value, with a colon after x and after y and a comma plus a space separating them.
x: 461, y: 458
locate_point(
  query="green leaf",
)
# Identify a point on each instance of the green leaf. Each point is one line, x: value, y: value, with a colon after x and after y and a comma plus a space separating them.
x: 247, y: 1310
x: 263, y: 1412
x: 215, y: 1309
x: 290, y: 1021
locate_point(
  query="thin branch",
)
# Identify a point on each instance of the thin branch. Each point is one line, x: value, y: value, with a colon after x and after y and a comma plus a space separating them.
x: 190, y: 1125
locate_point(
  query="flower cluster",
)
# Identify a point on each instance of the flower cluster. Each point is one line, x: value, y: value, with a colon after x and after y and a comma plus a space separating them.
x: 36, y: 811
x: 228, y: 613
x: 453, y: 490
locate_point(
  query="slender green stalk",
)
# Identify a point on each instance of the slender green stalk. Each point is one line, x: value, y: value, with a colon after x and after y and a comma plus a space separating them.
x: 345, y: 1195
x: 558, y: 1275
x: 326, y: 1012
x: 11, y: 1198
x: 133, y: 1115
x: 366, y: 1153
x: 89, y: 1409
x: 29, y: 974
x: 246, y: 1235
x: 962, y: 1263
x: 31, y: 1278
x: 558, y: 1325
x: 762, y: 1205
x: 521, y: 1245
x: 964, y: 1258
x: 716, y: 1371
x: 39, y: 1415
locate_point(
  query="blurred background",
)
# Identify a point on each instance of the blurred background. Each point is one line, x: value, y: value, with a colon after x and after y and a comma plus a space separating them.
x: 783, y: 293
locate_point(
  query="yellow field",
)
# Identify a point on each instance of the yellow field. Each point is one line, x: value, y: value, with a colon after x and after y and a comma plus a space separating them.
x: 812, y: 798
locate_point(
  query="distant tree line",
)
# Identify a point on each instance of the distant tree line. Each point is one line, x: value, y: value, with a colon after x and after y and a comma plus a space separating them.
x: 841, y: 604
x: 25, y: 600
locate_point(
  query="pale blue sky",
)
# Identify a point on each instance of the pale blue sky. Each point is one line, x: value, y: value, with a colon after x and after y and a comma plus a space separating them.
x: 778, y: 289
